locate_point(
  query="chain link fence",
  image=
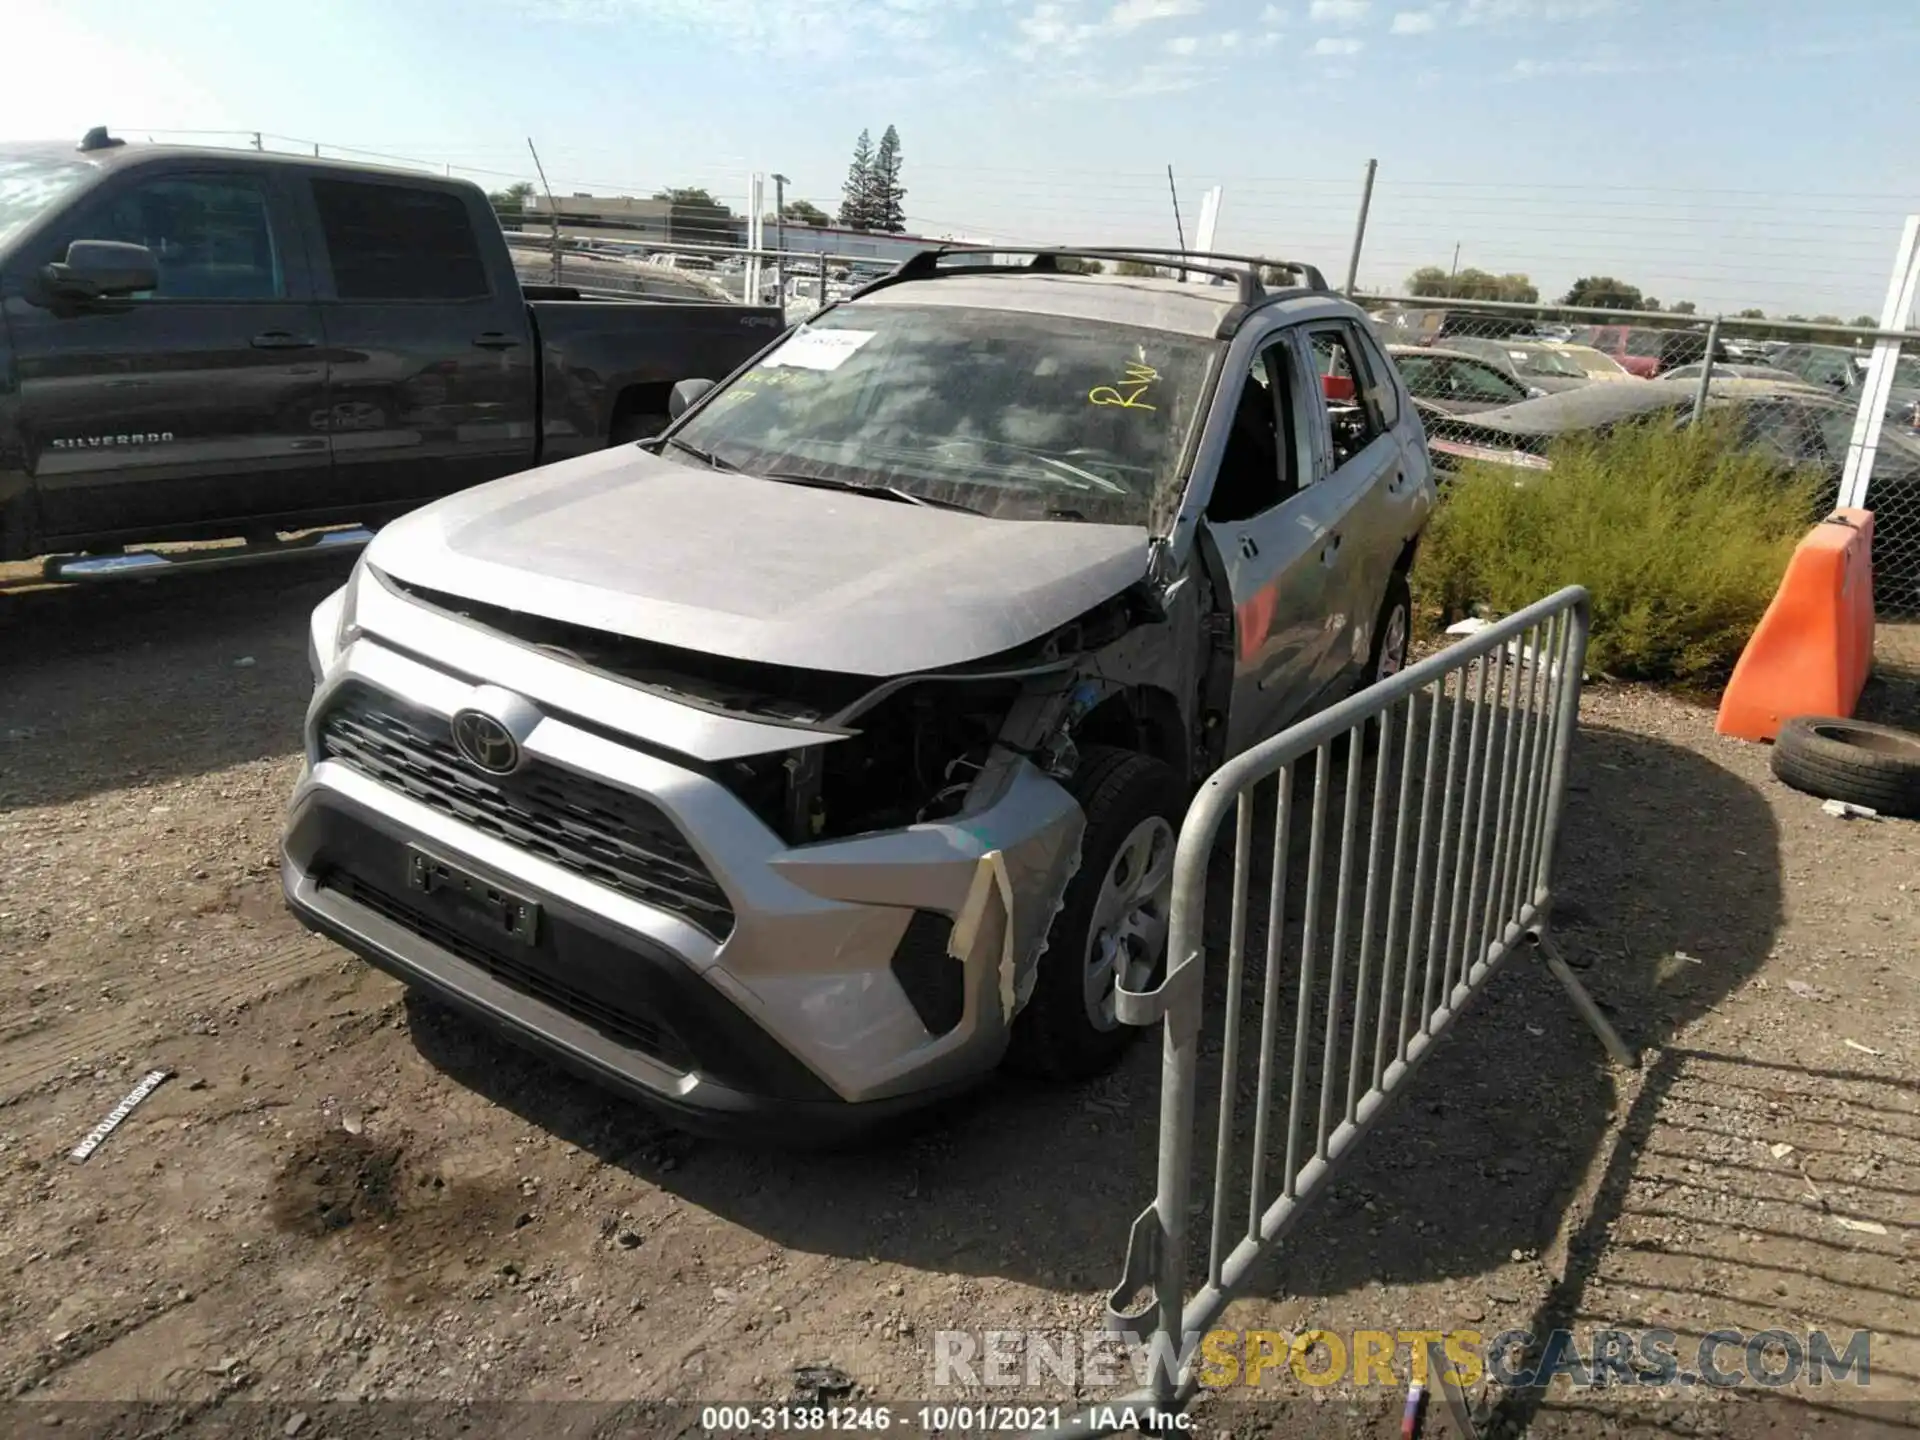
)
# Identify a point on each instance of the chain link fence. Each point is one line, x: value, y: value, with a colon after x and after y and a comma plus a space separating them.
x: 1502, y: 383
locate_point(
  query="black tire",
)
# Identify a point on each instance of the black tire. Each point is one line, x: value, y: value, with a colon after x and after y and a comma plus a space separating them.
x: 1397, y: 599
x: 1872, y: 765
x: 1055, y: 1036
x: 635, y: 425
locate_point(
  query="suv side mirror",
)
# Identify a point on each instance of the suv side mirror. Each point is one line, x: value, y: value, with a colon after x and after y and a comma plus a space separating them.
x: 685, y: 395
x: 95, y: 269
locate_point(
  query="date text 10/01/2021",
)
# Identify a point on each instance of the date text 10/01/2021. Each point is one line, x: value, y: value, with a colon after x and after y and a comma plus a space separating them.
x: 925, y: 1419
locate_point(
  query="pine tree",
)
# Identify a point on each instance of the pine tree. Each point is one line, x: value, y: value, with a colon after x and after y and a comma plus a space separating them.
x: 856, y: 202
x: 889, y: 195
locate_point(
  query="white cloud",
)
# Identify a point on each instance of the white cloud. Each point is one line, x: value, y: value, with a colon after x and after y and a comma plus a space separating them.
x: 1273, y: 15
x: 1183, y: 44
x: 1337, y: 45
x: 794, y: 29
x: 1416, y: 22
x: 1495, y: 12
x: 1132, y: 14
x: 1339, y: 12
x: 1225, y: 43
x: 1267, y: 41
x: 1605, y: 64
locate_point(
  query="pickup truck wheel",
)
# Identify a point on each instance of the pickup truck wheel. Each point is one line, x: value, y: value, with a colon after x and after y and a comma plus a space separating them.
x: 1112, y: 924
x: 637, y: 426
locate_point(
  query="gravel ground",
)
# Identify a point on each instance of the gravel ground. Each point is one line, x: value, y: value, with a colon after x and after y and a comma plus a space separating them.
x: 344, y: 1195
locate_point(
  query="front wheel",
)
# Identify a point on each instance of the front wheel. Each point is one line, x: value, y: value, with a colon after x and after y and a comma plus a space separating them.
x: 1112, y: 925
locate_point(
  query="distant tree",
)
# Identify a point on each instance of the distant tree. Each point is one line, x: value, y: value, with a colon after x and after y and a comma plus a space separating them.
x: 1752, y: 315
x: 1074, y: 265
x: 695, y: 217
x: 1828, y: 320
x: 1135, y: 267
x: 1864, y: 322
x: 857, y: 210
x: 511, y: 203
x: 803, y: 212
x: 1471, y: 284
x: 1681, y: 307
x: 889, y: 196
x: 1603, y: 292
x: 1796, y: 319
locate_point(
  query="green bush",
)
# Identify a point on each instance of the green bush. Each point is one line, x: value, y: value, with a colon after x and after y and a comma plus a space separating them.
x: 1680, y: 536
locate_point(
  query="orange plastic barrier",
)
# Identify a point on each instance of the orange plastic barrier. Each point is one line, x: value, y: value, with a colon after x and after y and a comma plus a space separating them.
x: 1814, y: 646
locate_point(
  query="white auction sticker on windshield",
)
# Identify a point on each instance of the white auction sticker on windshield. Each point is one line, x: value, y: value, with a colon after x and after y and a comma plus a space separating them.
x: 819, y: 349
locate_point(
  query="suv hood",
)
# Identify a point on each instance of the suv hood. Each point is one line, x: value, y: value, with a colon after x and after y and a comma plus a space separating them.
x: 727, y: 564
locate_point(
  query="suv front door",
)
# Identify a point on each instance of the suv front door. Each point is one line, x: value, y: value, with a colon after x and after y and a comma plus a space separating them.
x: 1264, y: 533
x: 199, y: 402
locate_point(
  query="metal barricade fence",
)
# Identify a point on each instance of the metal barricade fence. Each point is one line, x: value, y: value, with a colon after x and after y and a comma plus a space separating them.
x: 1447, y: 849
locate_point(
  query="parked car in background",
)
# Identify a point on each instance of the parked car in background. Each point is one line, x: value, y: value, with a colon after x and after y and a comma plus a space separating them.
x: 1594, y: 364
x: 786, y: 771
x: 1647, y: 350
x: 1844, y: 371
x: 1536, y: 364
x: 1420, y: 325
x: 211, y: 344
x: 1736, y: 371
x: 1452, y: 382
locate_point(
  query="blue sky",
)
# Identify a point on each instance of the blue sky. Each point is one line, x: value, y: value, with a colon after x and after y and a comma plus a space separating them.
x: 1731, y: 152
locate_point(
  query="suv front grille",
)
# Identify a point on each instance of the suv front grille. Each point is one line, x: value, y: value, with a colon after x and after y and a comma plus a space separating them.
x: 605, y: 834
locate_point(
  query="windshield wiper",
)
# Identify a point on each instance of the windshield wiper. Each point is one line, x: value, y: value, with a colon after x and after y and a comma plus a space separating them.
x: 858, y: 487
x: 705, y: 457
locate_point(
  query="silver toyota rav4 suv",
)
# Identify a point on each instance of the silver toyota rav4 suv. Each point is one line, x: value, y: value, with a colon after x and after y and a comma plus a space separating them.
x: 792, y: 768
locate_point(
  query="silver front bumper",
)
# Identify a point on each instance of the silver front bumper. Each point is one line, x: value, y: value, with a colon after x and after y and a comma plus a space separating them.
x: 815, y: 927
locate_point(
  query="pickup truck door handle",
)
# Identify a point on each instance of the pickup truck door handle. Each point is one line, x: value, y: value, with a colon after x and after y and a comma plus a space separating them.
x: 282, y: 340
x: 496, y: 340
x: 1330, y: 550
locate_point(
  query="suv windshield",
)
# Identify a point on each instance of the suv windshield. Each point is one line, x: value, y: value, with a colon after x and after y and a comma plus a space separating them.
x: 29, y: 184
x: 1014, y: 415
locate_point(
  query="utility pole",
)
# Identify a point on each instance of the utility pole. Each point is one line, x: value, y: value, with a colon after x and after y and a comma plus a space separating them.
x: 1456, y: 261
x: 780, y: 183
x: 1360, y: 226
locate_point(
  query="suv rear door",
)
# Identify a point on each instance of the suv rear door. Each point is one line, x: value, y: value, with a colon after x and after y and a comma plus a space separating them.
x: 432, y: 354
x: 202, y: 400
x: 1365, y: 488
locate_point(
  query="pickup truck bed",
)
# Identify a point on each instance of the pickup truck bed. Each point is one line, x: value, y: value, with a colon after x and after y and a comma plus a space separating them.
x: 197, y: 344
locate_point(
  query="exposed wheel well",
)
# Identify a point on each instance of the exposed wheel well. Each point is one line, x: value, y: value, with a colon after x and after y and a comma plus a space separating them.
x: 1145, y: 720
x: 1403, y: 563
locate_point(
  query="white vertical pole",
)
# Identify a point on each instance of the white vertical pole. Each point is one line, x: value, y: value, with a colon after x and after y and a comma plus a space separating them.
x: 756, y: 232
x: 1894, y: 315
x: 1209, y: 221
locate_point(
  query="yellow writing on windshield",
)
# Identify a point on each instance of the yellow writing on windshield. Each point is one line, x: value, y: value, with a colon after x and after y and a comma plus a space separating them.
x: 1129, y: 392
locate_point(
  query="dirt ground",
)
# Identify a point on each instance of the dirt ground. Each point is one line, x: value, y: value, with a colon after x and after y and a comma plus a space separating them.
x: 344, y: 1196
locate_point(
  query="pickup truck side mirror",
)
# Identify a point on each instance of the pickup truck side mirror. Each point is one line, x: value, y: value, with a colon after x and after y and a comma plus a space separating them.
x: 685, y: 395
x: 96, y: 269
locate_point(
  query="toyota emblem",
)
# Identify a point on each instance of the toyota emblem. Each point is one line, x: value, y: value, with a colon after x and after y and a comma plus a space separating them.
x: 485, y: 743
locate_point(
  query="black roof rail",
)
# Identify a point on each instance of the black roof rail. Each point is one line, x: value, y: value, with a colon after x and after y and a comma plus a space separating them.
x: 1243, y: 270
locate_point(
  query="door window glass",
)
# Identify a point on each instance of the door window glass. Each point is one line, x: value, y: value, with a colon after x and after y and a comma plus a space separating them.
x: 390, y: 242
x: 211, y: 237
x: 1351, y: 419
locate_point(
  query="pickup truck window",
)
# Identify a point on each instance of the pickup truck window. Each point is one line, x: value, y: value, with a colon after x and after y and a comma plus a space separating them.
x: 390, y: 242
x: 29, y: 186
x: 1016, y: 415
x: 212, y: 236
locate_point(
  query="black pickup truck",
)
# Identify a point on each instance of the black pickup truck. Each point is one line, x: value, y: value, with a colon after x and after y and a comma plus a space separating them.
x: 200, y: 344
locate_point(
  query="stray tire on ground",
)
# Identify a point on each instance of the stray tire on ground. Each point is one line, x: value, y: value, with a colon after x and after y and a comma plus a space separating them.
x: 1872, y: 765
